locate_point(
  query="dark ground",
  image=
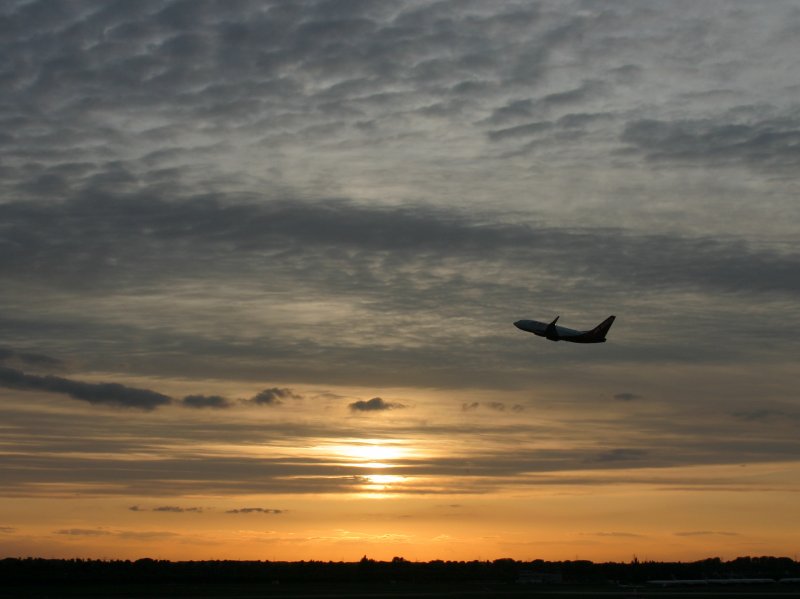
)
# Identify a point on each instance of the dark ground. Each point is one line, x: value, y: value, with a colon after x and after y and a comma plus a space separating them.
x: 375, y: 591
x: 146, y: 578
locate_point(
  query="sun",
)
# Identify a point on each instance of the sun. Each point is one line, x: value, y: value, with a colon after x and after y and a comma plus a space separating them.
x: 371, y: 455
x: 368, y: 453
x: 381, y: 485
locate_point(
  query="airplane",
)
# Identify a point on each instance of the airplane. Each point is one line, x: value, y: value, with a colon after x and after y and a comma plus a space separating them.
x: 554, y: 332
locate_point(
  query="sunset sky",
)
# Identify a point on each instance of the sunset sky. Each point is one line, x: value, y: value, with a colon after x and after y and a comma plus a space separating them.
x: 260, y: 261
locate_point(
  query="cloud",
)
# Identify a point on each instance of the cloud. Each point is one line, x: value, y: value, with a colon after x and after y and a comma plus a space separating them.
x: 167, y: 508
x: 761, y: 143
x: 520, y: 131
x: 255, y: 510
x: 120, y: 395
x: 587, y: 89
x: 757, y: 414
x: 785, y: 413
x: 83, y: 532
x: 145, y: 535
x: 622, y: 454
x: 625, y: 396
x: 344, y: 237
x: 497, y: 406
x: 513, y: 110
x: 29, y: 359
x: 175, y: 509
x: 205, y: 401
x: 706, y: 533
x: 273, y: 396
x: 7, y: 529
x: 376, y: 404
x: 122, y: 534
x: 615, y: 534
x: 112, y: 394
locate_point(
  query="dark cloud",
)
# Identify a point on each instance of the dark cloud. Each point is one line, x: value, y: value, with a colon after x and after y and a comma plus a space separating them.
x: 176, y: 509
x: 268, y: 397
x: 376, y: 404
x: 205, y: 401
x: 112, y: 394
x: 273, y: 396
x: 616, y: 534
x: 148, y: 57
x: 770, y: 143
x: 757, y: 414
x: 706, y: 533
x: 122, y: 534
x: 116, y: 394
x: 167, y: 508
x: 582, y: 120
x: 622, y: 454
x: 83, y: 532
x: 255, y: 510
x: 768, y: 414
x: 29, y: 359
x: 576, y: 95
x: 627, y: 74
x: 514, y: 110
x: 625, y: 396
x: 569, y: 126
x: 497, y: 406
x: 524, y: 131
x: 145, y: 535
x: 528, y: 108
x: 213, y: 71
x: 152, y: 241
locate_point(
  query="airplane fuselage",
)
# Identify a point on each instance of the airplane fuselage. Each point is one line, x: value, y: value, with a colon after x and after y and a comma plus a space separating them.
x: 554, y: 332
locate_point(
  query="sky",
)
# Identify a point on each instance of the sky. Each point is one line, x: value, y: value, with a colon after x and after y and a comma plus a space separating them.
x: 260, y: 262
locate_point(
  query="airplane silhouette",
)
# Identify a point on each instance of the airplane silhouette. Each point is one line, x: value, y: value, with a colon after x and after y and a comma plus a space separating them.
x: 554, y: 332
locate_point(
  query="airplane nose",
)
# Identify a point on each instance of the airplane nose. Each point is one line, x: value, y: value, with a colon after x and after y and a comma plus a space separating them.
x: 517, y: 324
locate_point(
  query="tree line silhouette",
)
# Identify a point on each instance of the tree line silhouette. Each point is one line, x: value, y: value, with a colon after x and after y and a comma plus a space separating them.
x: 21, y: 571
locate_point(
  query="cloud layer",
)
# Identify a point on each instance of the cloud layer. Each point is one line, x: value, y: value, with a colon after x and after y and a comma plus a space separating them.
x: 263, y: 228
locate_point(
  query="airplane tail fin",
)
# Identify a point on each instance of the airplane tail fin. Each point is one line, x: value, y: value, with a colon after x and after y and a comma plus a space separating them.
x: 601, y: 330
